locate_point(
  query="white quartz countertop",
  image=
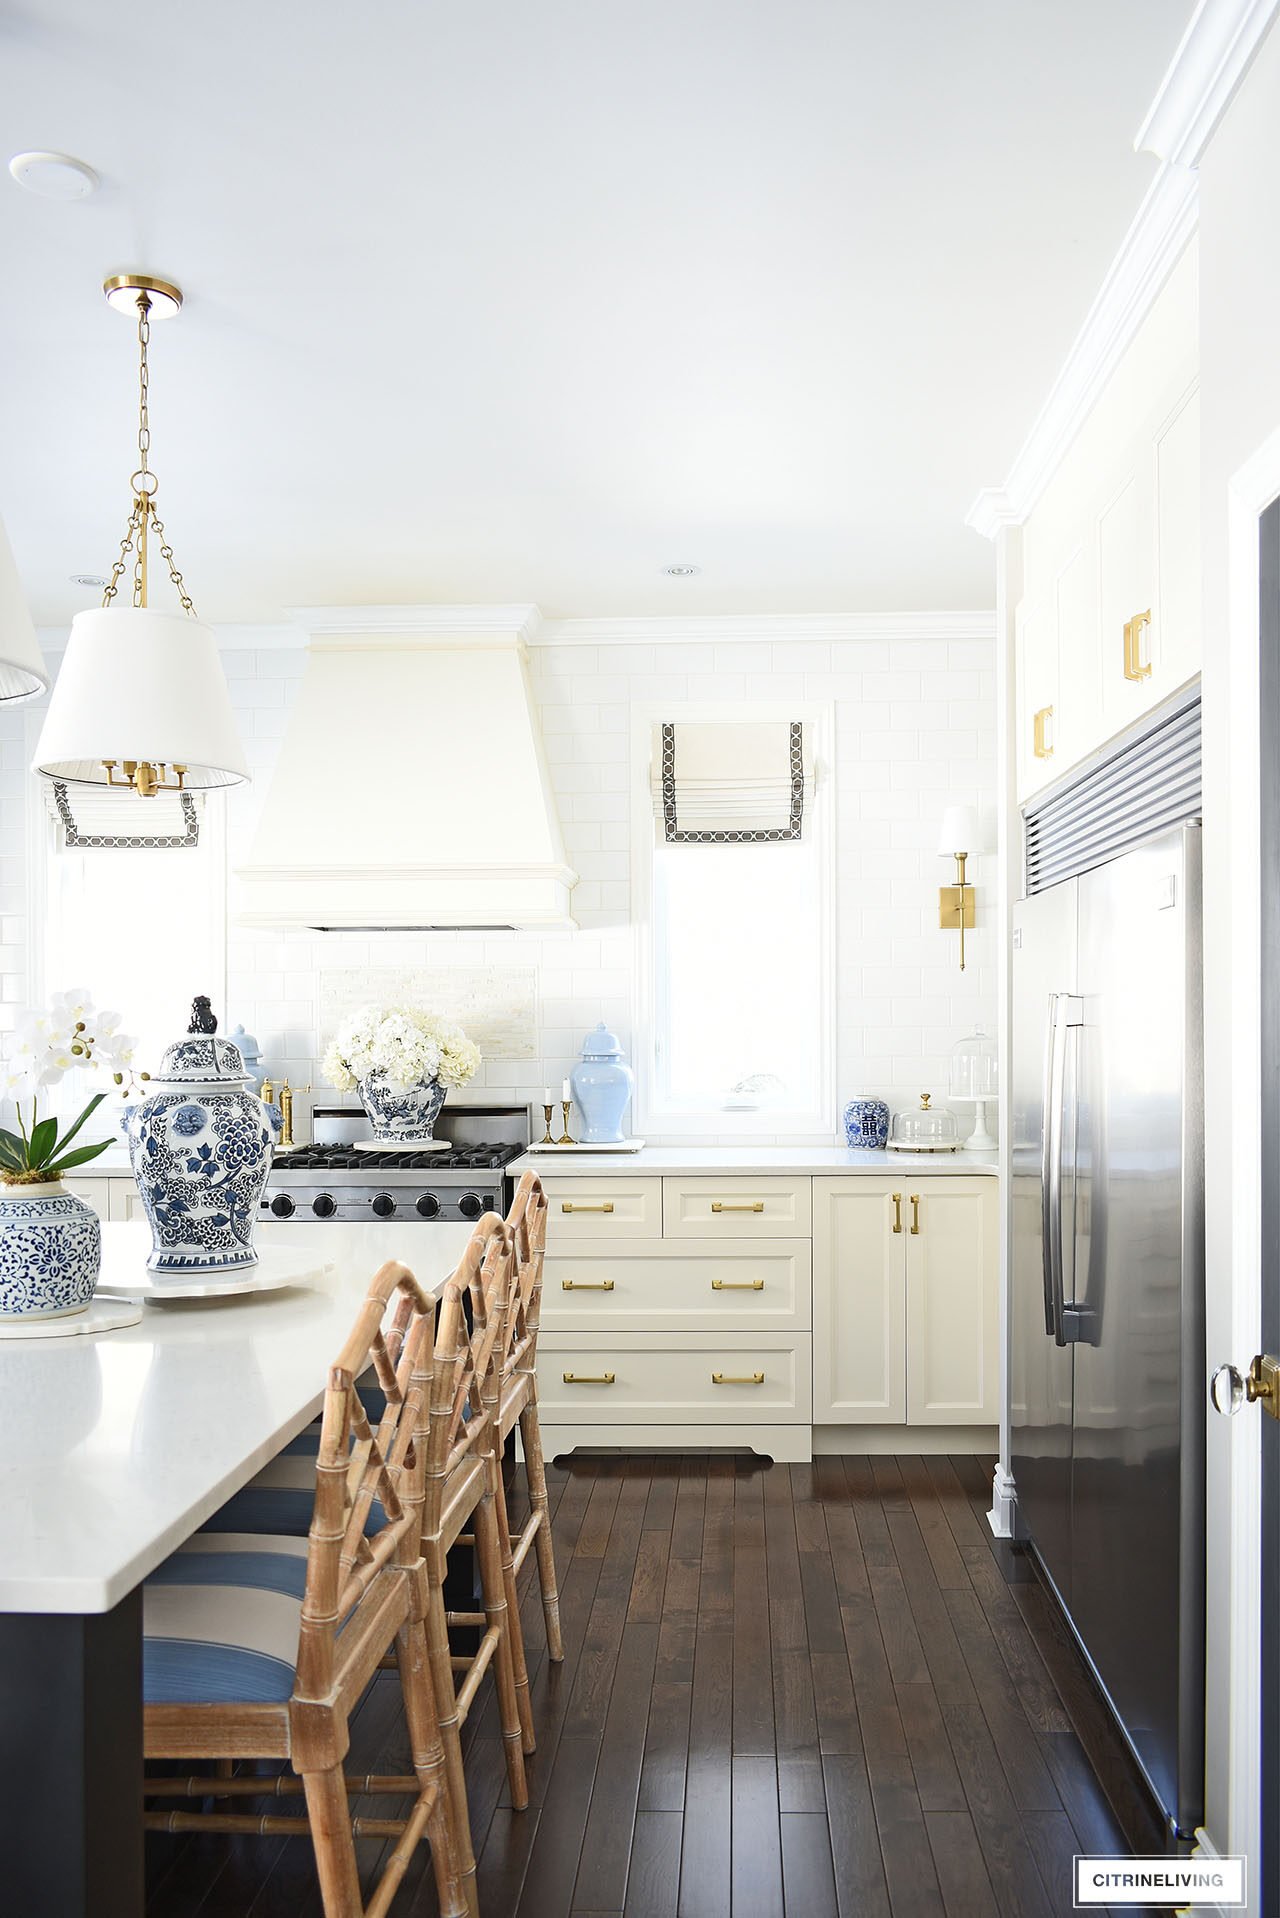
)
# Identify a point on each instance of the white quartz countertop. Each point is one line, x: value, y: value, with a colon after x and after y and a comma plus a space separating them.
x: 117, y: 1446
x: 755, y: 1160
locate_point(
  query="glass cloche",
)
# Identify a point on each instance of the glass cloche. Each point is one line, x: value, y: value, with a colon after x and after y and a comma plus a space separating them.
x: 925, y: 1128
x: 974, y: 1081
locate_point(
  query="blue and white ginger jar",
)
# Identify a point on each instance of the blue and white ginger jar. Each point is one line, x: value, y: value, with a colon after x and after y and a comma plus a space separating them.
x: 601, y: 1085
x: 866, y: 1124
x: 401, y: 1115
x: 50, y: 1251
x: 200, y: 1147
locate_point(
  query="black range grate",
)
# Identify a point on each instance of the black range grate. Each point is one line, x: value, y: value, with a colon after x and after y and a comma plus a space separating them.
x: 338, y: 1158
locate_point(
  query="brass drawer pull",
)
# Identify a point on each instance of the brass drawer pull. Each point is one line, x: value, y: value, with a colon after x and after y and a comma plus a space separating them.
x: 586, y: 1285
x: 588, y: 1378
x: 1134, y: 667
x: 897, y: 1212
x: 915, y: 1215
x: 737, y: 1285
x: 568, y: 1205
x: 755, y: 1205
x: 1042, y: 731
x: 728, y: 1378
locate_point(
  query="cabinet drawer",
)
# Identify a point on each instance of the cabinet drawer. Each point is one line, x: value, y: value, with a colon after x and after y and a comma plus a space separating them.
x: 603, y: 1209
x: 639, y: 1378
x: 688, y: 1286
x: 736, y: 1207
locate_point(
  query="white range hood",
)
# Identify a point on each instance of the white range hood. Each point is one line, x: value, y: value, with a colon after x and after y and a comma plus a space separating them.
x: 411, y: 790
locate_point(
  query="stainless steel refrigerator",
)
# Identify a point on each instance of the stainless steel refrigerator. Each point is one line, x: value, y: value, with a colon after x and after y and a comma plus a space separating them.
x: 1108, y: 1285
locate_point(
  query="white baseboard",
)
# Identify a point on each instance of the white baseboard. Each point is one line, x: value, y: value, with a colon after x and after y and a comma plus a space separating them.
x: 787, y: 1444
x: 1003, y: 1499
x: 885, y: 1440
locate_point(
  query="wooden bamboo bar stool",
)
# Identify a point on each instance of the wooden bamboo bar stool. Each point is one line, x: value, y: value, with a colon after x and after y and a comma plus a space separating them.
x: 258, y: 1646
x: 463, y: 1496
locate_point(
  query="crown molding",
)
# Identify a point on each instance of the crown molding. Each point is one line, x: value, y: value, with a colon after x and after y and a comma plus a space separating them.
x: 520, y: 621
x: 777, y: 629
x: 1161, y: 230
x: 1212, y: 59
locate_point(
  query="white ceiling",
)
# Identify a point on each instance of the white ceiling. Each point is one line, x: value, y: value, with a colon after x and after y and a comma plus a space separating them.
x: 493, y: 300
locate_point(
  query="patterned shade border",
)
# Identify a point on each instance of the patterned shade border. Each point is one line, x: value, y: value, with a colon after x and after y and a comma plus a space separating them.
x: 676, y: 836
x: 78, y: 841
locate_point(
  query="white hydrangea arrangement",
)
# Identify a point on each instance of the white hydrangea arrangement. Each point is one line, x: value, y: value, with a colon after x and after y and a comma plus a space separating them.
x: 407, y: 1045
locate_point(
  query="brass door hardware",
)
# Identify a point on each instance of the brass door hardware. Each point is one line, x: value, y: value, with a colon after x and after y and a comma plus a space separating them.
x: 586, y: 1285
x: 1228, y: 1390
x: 588, y: 1378
x: 897, y: 1212
x: 728, y: 1378
x: 1134, y: 665
x: 1042, y: 733
x: 755, y: 1205
x: 915, y: 1215
x: 568, y: 1205
x: 737, y: 1285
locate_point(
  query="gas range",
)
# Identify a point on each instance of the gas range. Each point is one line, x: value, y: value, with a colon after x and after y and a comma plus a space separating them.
x: 342, y: 1182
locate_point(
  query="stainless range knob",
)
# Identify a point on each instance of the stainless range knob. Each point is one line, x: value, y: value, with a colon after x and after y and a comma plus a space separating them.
x: 282, y: 1206
x: 384, y: 1205
x: 429, y: 1206
x: 324, y: 1205
x: 469, y: 1205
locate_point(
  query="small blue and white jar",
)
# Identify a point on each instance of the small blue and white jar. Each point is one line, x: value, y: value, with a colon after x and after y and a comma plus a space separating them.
x: 50, y: 1251
x: 200, y: 1147
x: 866, y: 1124
x: 601, y: 1085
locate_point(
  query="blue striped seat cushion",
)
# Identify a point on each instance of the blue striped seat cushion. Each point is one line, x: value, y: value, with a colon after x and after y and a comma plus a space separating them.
x: 220, y: 1621
x: 281, y: 1498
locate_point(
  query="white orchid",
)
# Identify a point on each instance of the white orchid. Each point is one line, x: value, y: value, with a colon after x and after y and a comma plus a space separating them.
x: 407, y: 1044
x: 72, y: 1035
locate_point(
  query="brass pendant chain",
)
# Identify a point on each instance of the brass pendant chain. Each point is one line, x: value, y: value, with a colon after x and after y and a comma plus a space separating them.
x: 143, y: 517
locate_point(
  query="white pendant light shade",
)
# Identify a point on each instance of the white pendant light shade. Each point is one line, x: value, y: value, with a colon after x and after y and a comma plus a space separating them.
x: 22, y: 670
x: 140, y: 685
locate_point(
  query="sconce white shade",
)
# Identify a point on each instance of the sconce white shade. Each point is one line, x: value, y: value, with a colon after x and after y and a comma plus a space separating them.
x: 22, y: 669
x: 140, y: 684
x: 959, y: 832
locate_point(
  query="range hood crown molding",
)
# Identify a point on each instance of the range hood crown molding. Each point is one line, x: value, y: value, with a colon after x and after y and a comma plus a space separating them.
x: 522, y: 620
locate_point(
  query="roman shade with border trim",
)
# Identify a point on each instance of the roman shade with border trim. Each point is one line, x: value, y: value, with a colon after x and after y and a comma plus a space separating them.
x: 95, y: 819
x: 736, y: 782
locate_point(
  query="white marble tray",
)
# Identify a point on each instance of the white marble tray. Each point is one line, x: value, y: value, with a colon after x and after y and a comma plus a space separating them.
x: 100, y: 1315
x: 388, y: 1145
x: 125, y: 1273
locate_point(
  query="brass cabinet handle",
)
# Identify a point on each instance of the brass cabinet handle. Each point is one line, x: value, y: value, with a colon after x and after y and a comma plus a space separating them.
x: 897, y: 1211
x: 756, y: 1205
x: 737, y: 1285
x: 588, y: 1378
x: 728, y: 1378
x: 1042, y: 725
x: 586, y: 1285
x: 568, y: 1205
x: 915, y: 1215
x: 1134, y: 666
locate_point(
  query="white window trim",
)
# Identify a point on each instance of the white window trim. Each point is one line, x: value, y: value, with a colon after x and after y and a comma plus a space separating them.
x: 757, y: 1127
x: 213, y: 833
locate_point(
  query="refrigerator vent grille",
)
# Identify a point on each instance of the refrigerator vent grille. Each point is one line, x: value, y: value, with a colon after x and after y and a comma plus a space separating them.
x: 1146, y: 785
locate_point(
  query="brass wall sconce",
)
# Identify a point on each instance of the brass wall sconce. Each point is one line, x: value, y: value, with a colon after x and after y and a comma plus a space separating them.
x: 958, y: 840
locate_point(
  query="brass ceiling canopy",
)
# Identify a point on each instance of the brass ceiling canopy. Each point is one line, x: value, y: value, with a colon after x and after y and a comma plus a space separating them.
x: 122, y: 290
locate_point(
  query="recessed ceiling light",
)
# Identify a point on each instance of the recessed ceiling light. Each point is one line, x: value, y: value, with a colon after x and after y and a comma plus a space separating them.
x: 682, y: 572
x: 87, y: 579
x: 54, y: 176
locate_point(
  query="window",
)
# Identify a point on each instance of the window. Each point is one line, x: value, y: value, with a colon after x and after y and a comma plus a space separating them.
x: 142, y: 930
x: 739, y: 970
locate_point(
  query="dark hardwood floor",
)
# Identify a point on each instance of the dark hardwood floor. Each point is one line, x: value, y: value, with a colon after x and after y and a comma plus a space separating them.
x: 811, y: 1691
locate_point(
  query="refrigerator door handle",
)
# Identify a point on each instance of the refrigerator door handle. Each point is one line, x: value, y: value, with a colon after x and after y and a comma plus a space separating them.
x: 1051, y: 1181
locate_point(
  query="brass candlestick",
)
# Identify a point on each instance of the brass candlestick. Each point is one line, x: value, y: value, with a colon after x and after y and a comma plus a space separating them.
x: 566, y: 1137
x: 547, y: 1138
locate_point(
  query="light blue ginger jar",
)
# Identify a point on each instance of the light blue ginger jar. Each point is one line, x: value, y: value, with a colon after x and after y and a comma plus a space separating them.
x: 866, y: 1124
x: 50, y: 1251
x: 601, y: 1084
x: 200, y: 1147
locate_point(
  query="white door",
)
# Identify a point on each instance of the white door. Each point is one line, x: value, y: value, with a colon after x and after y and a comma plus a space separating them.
x: 953, y: 1372
x: 859, y: 1307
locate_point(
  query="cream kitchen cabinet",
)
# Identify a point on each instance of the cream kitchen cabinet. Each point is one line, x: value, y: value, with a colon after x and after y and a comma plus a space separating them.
x: 905, y: 1312
x: 112, y: 1197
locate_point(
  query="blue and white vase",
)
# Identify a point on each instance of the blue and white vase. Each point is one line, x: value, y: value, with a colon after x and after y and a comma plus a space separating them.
x: 401, y: 1115
x: 200, y: 1147
x: 50, y: 1251
x: 601, y: 1085
x: 866, y: 1124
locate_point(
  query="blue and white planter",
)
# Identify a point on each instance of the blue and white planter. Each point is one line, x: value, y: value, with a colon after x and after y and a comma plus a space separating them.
x: 401, y: 1115
x: 50, y: 1252
x: 200, y: 1147
x: 866, y: 1124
